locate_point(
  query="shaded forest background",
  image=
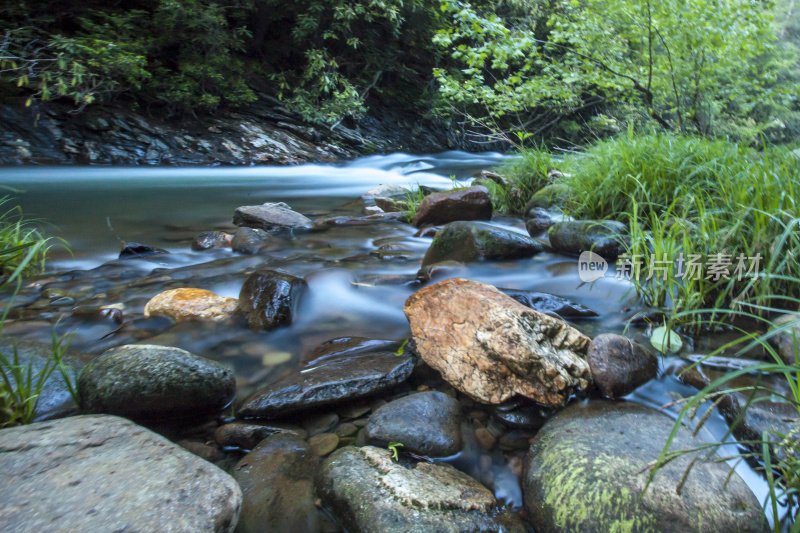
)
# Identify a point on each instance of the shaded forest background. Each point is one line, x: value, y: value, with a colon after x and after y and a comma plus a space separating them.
x: 517, y: 70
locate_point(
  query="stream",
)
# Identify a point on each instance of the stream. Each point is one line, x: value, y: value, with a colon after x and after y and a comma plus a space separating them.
x: 359, y: 276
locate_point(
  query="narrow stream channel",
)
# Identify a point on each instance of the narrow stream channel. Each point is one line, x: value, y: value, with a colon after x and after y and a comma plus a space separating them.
x: 359, y: 276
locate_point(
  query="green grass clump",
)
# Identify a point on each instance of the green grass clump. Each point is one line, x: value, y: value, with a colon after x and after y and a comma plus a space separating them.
x: 774, y: 454
x: 526, y: 174
x: 23, y: 249
x: 696, y: 197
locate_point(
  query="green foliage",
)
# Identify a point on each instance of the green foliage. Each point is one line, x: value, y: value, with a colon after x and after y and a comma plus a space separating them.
x: 23, y: 248
x: 526, y: 174
x: 697, y: 66
x: 413, y: 198
x: 683, y: 198
x: 393, y: 446
x: 20, y: 388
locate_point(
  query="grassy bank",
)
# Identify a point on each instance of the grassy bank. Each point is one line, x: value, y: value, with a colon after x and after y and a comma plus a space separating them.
x: 23, y: 250
x: 694, y: 197
x: 691, y: 196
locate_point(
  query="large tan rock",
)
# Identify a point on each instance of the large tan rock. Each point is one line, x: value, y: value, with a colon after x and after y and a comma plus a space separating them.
x: 191, y: 304
x: 491, y: 347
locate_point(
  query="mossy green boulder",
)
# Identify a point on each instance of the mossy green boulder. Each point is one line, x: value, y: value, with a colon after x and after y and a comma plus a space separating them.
x: 472, y: 241
x: 553, y: 195
x: 586, y: 469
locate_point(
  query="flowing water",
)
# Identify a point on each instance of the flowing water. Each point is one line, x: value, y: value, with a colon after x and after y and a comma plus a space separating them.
x: 359, y: 276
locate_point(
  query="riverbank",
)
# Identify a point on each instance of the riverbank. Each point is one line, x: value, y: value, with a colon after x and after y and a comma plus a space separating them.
x: 52, y: 133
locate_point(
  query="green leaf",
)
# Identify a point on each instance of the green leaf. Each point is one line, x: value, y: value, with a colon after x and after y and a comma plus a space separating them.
x: 665, y: 340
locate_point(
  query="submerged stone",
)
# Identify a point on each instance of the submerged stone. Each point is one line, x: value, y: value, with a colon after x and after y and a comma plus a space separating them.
x: 277, y: 481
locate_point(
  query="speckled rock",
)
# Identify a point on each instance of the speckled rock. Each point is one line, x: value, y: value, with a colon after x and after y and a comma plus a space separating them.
x: 491, y: 347
x: 143, y: 382
x: 211, y: 239
x: 584, y: 473
x: 367, y: 491
x: 474, y: 241
x: 277, y: 481
x: 268, y: 298
x: 269, y: 216
x: 427, y: 423
x: 190, y: 304
x: 104, y: 473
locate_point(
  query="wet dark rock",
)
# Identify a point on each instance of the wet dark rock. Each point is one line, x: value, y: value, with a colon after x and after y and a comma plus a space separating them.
x: 366, y: 490
x: 586, y: 471
x: 150, y: 382
x: 539, y: 219
x: 269, y: 216
x: 473, y: 241
x: 603, y: 237
x: 472, y: 203
x: 427, y: 423
x: 550, y: 304
x: 249, y: 240
x: 269, y: 298
x: 368, y: 220
x: 522, y: 414
x: 389, y: 205
x: 277, y: 481
x: 211, y: 239
x: 247, y: 435
x: 348, y: 345
x: 135, y: 249
x: 55, y: 399
x: 104, y: 473
x: 338, y: 379
x: 259, y: 133
x: 619, y: 365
